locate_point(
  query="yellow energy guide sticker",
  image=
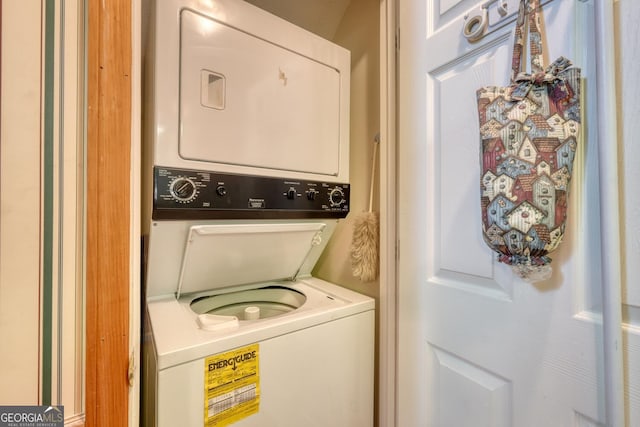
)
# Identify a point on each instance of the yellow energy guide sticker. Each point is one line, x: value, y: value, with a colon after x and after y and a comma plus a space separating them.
x: 231, y: 386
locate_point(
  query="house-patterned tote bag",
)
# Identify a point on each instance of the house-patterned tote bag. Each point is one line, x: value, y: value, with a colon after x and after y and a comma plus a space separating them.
x: 529, y: 133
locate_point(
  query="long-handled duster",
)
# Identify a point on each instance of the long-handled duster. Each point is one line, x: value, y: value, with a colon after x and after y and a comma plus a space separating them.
x: 364, y: 244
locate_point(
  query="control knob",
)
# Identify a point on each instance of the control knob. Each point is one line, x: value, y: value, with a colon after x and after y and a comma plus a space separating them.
x: 291, y: 193
x: 183, y: 189
x: 336, y: 197
x: 221, y: 190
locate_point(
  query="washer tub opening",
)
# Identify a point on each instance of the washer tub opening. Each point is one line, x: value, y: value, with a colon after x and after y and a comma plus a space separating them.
x: 251, y: 304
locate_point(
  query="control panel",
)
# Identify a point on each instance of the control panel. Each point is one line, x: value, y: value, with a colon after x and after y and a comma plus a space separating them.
x: 193, y: 194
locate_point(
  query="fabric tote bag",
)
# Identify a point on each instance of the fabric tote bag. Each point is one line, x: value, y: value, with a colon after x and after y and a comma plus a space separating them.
x: 529, y: 132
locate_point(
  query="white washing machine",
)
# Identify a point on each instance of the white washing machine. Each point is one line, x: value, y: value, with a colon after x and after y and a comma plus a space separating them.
x: 246, y: 148
x: 246, y: 335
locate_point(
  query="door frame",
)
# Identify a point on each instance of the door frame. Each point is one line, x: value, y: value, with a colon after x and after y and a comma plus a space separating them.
x: 113, y: 204
x: 387, y: 343
x: 614, y: 380
x: 109, y: 222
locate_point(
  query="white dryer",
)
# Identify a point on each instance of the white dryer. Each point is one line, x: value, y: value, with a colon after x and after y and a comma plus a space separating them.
x: 246, y: 148
x: 232, y: 88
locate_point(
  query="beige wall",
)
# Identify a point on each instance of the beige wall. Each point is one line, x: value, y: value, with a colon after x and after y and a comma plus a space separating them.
x: 22, y: 219
x: 20, y: 200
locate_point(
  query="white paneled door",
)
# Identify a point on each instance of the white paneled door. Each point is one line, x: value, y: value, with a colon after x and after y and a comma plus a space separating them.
x: 479, y: 347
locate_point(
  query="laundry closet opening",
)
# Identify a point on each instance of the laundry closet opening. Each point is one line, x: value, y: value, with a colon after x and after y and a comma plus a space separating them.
x: 247, y: 211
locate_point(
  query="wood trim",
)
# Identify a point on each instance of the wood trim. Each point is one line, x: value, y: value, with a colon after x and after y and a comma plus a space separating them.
x: 108, y: 212
x: 77, y: 421
x: 0, y: 67
x: 388, y: 334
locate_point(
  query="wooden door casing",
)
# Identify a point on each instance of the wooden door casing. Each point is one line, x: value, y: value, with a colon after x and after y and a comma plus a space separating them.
x: 108, y: 211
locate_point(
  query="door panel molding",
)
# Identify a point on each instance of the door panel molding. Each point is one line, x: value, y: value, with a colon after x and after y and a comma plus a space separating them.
x: 484, y: 395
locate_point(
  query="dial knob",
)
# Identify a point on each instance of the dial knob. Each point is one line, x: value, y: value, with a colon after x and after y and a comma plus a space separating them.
x: 336, y: 197
x: 183, y: 189
x: 221, y: 190
x: 291, y: 193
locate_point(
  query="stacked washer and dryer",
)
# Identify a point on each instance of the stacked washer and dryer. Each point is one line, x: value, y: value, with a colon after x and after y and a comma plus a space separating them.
x: 246, y: 176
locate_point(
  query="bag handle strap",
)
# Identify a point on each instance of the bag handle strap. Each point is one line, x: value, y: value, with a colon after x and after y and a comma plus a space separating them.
x: 534, y: 27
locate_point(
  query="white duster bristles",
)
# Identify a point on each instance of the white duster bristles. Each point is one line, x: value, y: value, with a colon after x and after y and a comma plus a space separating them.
x: 364, y: 247
x: 364, y: 244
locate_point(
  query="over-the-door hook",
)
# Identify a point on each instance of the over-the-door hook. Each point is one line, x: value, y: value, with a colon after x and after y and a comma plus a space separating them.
x: 475, y: 27
x: 503, y: 9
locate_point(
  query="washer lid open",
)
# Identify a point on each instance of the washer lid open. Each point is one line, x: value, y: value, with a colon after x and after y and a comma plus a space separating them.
x: 220, y: 256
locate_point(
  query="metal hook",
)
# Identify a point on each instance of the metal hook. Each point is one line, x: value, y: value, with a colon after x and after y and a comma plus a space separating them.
x: 478, y: 26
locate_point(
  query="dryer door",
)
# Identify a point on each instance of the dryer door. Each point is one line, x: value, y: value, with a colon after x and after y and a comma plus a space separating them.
x: 246, y: 101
